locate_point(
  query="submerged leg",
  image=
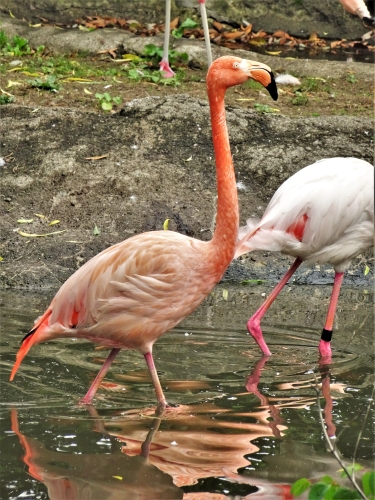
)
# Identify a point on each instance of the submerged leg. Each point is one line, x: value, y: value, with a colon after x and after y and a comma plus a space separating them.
x: 98, y: 379
x: 162, y: 403
x: 253, y: 325
x: 164, y: 63
x: 325, y: 343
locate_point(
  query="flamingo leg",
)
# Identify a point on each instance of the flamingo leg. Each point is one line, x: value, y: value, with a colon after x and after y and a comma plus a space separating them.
x: 162, y: 403
x: 325, y: 342
x: 205, y: 31
x: 253, y: 325
x: 98, y: 379
x: 164, y: 63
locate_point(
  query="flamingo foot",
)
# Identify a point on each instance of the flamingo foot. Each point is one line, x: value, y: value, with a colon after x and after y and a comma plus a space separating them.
x: 166, y: 69
x: 253, y: 327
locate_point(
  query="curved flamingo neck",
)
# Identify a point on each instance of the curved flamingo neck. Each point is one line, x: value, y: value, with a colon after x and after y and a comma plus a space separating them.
x: 227, y: 219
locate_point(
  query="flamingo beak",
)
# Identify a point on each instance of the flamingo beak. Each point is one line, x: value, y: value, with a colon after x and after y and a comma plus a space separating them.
x: 261, y: 73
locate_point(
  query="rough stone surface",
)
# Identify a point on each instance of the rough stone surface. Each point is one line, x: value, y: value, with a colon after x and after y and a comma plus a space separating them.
x: 160, y: 165
x: 299, y: 18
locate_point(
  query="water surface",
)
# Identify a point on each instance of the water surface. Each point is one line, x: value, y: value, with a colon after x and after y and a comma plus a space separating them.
x: 240, y: 426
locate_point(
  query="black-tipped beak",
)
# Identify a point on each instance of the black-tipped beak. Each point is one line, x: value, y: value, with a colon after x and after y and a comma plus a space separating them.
x: 272, y: 88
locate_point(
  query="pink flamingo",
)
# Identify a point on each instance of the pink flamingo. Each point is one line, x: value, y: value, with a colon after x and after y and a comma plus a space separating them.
x: 359, y: 8
x: 324, y: 213
x: 164, y: 63
x: 127, y: 296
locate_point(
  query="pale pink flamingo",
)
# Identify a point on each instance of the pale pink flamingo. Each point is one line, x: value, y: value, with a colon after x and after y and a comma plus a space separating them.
x: 133, y: 292
x: 359, y: 8
x: 164, y: 63
x: 322, y: 214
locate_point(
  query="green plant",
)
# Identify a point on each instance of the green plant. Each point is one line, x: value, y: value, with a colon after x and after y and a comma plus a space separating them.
x: 300, y: 99
x: 187, y: 24
x: 6, y: 99
x: 351, y: 78
x: 49, y: 83
x: 155, y: 53
x: 327, y: 489
x: 138, y: 72
x: 17, y: 46
x: 264, y: 108
x: 106, y: 101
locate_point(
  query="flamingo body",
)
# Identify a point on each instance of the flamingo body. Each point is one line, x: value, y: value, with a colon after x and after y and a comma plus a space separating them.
x: 322, y: 214
x: 335, y: 196
x: 133, y: 292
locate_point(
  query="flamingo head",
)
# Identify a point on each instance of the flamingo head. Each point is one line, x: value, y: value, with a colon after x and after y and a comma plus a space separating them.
x: 228, y: 71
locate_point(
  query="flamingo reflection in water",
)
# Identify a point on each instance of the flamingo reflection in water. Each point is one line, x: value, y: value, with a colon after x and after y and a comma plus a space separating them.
x: 163, y: 458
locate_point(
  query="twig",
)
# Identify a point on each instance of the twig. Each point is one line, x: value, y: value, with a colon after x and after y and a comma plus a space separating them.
x: 363, y: 425
x: 332, y: 448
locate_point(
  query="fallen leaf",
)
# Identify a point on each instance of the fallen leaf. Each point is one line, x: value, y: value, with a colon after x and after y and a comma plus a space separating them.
x: 35, y: 25
x: 13, y: 70
x: 1, y: 259
x: 273, y: 53
x: 54, y: 222
x: 218, y: 26
x: 190, y: 158
x: 233, y: 35
x: 166, y: 223
x: 314, y: 37
x: 96, y: 230
x: 14, y: 84
x: 11, y: 15
x: 244, y: 99
x: 97, y: 157
x: 117, y: 477
x: 40, y: 216
x: 34, y: 235
x: 225, y: 294
x: 25, y: 221
x: 76, y: 79
x: 6, y: 93
x: 367, y: 270
x: 87, y: 91
x: 173, y: 24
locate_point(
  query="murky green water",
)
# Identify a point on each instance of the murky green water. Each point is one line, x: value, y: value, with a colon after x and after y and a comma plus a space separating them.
x: 240, y: 426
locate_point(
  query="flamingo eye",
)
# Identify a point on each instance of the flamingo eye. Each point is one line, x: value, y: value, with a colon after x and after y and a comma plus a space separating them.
x: 236, y: 65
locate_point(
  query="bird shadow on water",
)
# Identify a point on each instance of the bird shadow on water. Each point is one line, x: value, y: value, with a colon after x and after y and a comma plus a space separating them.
x: 240, y: 426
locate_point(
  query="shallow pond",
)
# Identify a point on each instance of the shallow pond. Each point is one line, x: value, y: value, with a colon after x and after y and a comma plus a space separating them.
x: 240, y: 426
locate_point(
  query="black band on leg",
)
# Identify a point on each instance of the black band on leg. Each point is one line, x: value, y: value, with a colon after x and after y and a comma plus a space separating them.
x: 326, y: 335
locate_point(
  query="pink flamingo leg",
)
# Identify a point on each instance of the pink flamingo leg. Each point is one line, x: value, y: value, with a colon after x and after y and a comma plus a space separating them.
x: 205, y: 31
x: 253, y: 325
x: 162, y: 403
x: 164, y: 63
x: 326, y: 392
x: 98, y: 379
x: 325, y: 343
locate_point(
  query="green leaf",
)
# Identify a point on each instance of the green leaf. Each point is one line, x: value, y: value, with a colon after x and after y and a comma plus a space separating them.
x: 326, y: 480
x: 96, y: 230
x: 1, y: 259
x: 189, y: 23
x: 250, y: 282
x: 346, y: 494
x: 317, y: 491
x: 300, y: 487
x: 368, y: 483
x: 367, y: 270
x: 351, y: 469
x: 330, y: 493
x: 107, y: 106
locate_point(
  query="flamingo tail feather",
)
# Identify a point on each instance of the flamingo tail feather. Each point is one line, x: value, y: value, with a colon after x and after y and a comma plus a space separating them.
x: 29, y: 340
